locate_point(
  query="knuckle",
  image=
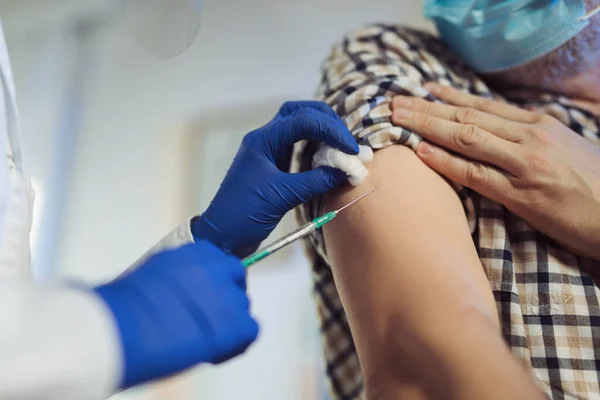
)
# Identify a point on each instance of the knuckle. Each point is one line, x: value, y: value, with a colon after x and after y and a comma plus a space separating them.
x: 537, y: 164
x: 481, y: 103
x: 304, y: 119
x: 529, y: 194
x: 249, y: 138
x: 253, y: 330
x: 287, y: 107
x: 465, y: 115
x: 547, y: 120
x: 426, y: 122
x: 537, y: 176
x: 289, y: 103
x: 468, y: 136
x: 442, y: 90
x: 245, y: 302
x: 533, y: 117
x: 421, y: 105
x: 475, y: 173
x: 534, y: 198
x: 303, y: 112
x: 521, y: 193
x: 538, y: 134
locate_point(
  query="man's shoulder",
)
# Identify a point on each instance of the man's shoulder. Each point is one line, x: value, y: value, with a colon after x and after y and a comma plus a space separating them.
x: 391, y: 32
x: 384, y: 43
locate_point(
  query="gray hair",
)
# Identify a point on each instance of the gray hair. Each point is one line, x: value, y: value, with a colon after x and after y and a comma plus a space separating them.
x: 578, y: 55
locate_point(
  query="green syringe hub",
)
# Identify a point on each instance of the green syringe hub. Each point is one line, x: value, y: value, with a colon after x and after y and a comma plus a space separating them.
x: 323, y: 219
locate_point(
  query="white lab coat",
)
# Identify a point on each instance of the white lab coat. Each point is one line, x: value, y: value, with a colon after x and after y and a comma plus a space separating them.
x: 56, y: 342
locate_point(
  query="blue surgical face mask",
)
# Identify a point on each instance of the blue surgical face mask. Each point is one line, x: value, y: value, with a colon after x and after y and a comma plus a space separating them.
x: 495, y: 35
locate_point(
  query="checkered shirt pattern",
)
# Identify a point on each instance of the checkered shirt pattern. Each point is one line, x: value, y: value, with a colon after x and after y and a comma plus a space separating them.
x: 547, y: 301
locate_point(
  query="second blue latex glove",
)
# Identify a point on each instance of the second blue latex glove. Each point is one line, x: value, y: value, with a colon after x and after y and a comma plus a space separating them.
x: 180, y: 308
x: 257, y: 192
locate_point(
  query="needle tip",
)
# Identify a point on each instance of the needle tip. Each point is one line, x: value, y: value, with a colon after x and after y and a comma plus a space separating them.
x: 355, y: 200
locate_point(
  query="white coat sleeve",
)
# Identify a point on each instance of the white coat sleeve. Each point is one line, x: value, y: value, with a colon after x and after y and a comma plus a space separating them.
x: 59, y: 343
x: 180, y: 236
x: 56, y: 343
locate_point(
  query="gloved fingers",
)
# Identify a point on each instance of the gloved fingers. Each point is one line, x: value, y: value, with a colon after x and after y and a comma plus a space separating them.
x: 238, y: 328
x: 220, y: 309
x: 232, y: 299
x: 242, y: 335
x: 247, y: 332
x: 290, y: 107
x: 308, y: 123
x: 207, y: 252
x: 233, y: 267
x: 246, y: 329
x: 314, y: 183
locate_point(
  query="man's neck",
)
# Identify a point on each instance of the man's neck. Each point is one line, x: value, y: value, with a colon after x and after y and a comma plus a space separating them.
x: 584, y: 90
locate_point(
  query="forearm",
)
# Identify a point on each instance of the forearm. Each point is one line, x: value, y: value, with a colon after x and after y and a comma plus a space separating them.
x: 412, y: 285
x: 453, y: 361
x: 56, y: 343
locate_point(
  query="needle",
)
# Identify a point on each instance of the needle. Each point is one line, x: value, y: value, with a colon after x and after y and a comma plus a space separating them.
x: 354, y: 201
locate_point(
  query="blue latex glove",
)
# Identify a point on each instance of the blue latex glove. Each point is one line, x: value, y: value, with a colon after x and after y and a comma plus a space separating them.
x: 181, y: 308
x: 257, y: 192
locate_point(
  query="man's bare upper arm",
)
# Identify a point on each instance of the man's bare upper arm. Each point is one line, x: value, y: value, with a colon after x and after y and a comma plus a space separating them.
x: 401, y: 254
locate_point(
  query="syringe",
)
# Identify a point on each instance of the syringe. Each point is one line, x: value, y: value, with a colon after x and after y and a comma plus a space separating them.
x: 297, y: 234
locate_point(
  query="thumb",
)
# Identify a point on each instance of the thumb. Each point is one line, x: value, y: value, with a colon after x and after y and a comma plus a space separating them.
x: 314, y: 183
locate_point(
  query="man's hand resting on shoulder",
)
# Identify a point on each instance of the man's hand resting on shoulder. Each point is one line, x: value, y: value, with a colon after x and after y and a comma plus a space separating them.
x: 531, y: 163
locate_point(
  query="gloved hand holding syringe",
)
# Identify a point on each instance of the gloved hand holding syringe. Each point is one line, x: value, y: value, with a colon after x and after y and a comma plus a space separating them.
x: 299, y: 233
x: 189, y: 305
x: 258, y: 191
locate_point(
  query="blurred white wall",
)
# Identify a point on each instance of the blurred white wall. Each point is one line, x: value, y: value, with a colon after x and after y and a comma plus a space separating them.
x: 130, y: 183
x: 247, y: 52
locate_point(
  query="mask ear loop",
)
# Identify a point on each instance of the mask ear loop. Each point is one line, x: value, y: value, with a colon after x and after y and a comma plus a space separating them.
x: 590, y: 14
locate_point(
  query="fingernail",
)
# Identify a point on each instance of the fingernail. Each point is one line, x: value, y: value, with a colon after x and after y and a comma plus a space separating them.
x: 424, y: 149
x: 402, y: 101
x: 402, y: 113
x: 432, y: 87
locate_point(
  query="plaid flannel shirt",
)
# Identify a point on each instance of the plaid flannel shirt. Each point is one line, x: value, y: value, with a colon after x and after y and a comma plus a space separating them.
x: 548, y: 304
